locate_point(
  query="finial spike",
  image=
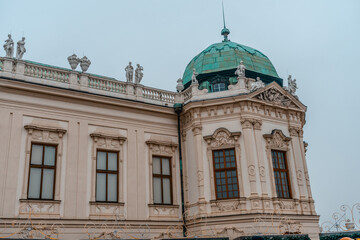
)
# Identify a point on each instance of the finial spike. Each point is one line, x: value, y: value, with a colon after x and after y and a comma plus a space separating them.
x: 223, y: 13
x: 225, y: 32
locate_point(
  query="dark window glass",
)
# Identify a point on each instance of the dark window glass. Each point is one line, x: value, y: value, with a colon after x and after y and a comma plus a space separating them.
x: 107, y: 176
x: 281, y: 174
x: 217, y: 87
x: 162, y: 189
x: 42, y: 172
x: 225, y: 174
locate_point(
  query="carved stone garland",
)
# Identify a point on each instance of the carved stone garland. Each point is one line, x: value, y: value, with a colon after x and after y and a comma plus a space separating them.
x: 166, y: 149
x: 42, y: 134
x: 223, y: 139
x: 107, y: 142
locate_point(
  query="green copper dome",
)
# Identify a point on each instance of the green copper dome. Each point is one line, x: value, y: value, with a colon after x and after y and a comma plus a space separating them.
x: 226, y: 56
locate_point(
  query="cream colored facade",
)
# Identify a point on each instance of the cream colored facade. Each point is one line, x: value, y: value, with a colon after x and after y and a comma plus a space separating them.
x: 81, y: 113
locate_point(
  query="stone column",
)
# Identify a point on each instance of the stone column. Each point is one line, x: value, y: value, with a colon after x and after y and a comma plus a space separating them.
x: 251, y: 158
x: 298, y: 161
x: 260, y: 156
x: 197, y: 131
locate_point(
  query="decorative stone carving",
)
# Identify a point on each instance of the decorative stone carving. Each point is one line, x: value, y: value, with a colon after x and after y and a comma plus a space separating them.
x: 106, y: 210
x: 84, y: 64
x: 222, y: 138
x: 138, y: 74
x: 179, y: 86
x: 257, y: 85
x: 73, y: 61
x: 240, y: 71
x: 305, y: 146
x: 262, y: 172
x: 251, y: 170
x: 226, y: 205
x: 34, y: 208
x: 9, y: 47
x: 272, y: 95
x: 20, y: 48
x: 277, y: 140
x: 292, y: 86
x: 257, y: 124
x: 197, y: 129
x: 129, y: 72
x: 193, y: 77
x: 163, y: 211
x: 246, y: 123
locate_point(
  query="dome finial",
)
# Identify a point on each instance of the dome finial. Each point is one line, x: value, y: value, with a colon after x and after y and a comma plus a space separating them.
x: 225, y: 32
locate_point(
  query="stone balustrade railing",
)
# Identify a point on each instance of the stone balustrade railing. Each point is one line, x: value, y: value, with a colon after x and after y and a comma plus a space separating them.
x: 187, y: 93
x: 46, y: 72
x: 66, y: 78
x: 106, y: 84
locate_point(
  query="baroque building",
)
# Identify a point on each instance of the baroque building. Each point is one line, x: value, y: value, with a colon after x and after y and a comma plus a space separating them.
x: 85, y: 156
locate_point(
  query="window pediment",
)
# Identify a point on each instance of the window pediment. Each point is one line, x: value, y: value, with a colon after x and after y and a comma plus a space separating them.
x: 277, y: 140
x: 222, y: 138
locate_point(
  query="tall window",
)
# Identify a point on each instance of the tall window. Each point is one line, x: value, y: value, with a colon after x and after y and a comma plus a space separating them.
x: 42, y: 172
x: 107, y: 176
x: 225, y: 174
x: 162, y: 180
x: 281, y: 174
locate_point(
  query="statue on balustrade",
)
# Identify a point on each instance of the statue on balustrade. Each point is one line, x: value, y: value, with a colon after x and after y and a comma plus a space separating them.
x: 20, y: 48
x: 292, y: 86
x: 240, y: 71
x: 129, y: 71
x: 138, y: 74
x: 9, y: 47
x: 194, y: 75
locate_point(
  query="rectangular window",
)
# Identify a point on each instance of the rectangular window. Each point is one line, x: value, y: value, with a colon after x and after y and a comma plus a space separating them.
x: 281, y: 174
x: 162, y: 189
x: 107, y: 176
x: 42, y: 172
x: 225, y: 174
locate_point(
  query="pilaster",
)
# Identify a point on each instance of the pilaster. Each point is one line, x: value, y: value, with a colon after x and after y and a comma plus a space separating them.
x: 197, y: 132
x: 251, y: 158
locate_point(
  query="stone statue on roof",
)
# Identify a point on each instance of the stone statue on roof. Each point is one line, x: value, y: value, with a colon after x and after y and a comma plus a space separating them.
x: 20, y: 50
x: 138, y: 74
x: 292, y: 86
x: 240, y: 71
x: 129, y: 73
x: 193, y: 77
x: 9, y: 47
x: 257, y: 85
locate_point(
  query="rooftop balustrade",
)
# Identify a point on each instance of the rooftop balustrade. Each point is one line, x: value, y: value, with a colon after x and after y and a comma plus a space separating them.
x: 66, y: 78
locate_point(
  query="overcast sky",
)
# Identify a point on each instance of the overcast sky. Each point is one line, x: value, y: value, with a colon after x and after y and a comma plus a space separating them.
x: 318, y: 42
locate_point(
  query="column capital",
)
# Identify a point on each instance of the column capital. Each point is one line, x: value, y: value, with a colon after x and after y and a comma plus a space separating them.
x: 257, y: 124
x: 197, y: 129
x: 296, y: 131
x: 246, y: 123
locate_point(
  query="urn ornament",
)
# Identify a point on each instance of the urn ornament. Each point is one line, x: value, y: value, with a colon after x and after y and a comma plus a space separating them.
x: 179, y: 86
x: 85, y: 63
x: 73, y: 61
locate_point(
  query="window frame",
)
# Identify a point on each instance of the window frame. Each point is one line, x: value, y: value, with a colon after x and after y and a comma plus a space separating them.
x: 108, y: 172
x: 286, y: 170
x: 42, y: 167
x: 225, y: 170
x: 161, y: 176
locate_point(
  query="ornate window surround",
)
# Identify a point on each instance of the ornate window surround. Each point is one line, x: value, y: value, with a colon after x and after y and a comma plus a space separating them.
x: 107, y: 142
x: 223, y: 139
x: 163, y: 149
x: 277, y: 140
x: 42, y: 134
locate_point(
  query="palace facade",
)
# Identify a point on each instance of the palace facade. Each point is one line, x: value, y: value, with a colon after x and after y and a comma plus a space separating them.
x: 84, y: 156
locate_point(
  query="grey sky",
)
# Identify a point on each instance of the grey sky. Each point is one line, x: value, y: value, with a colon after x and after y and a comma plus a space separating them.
x: 318, y: 42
